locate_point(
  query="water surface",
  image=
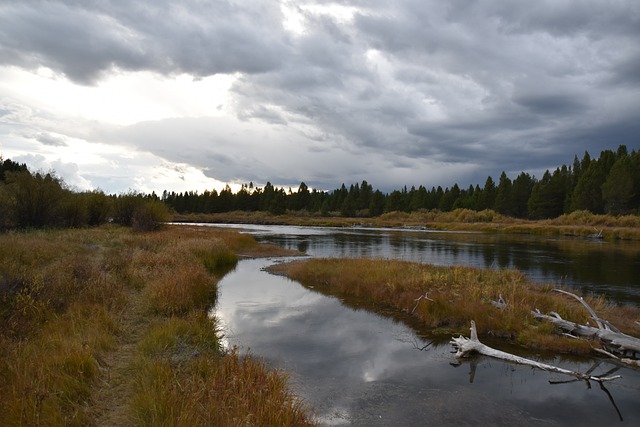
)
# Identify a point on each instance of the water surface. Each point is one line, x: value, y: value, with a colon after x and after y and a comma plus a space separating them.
x: 357, y: 368
x: 591, y: 266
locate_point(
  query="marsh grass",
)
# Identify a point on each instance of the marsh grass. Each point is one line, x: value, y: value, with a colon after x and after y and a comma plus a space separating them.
x: 180, y: 288
x: 58, y: 321
x: 181, y: 277
x: 49, y: 377
x: 228, y: 391
x: 216, y: 256
x: 68, y: 314
x: 453, y: 296
x: 182, y: 378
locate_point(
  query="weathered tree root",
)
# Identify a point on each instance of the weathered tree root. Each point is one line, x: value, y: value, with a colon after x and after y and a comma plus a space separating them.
x: 466, y: 346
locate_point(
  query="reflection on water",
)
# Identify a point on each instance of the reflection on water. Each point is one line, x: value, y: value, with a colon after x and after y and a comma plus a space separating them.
x: 610, y: 268
x: 357, y: 368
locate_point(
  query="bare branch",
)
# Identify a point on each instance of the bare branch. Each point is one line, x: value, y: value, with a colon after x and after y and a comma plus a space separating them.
x: 587, y: 306
x: 417, y: 300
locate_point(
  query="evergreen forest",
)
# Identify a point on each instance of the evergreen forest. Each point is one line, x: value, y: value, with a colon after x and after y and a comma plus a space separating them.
x: 609, y: 184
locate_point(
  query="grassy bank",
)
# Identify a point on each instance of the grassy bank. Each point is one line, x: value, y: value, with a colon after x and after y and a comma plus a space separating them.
x: 579, y: 223
x: 109, y: 327
x: 453, y: 296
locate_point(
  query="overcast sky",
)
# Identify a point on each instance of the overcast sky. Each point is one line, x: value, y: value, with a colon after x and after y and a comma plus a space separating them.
x: 187, y: 95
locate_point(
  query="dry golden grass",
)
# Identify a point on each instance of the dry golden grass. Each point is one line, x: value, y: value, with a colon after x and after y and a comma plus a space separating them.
x: 181, y: 379
x: 453, y: 296
x: 81, y: 309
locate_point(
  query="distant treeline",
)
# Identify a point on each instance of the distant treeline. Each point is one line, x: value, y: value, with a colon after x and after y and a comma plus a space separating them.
x: 609, y: 184
x: 42, y: 200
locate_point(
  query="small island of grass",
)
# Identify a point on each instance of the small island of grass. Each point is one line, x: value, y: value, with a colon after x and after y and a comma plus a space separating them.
x: 443, y: 300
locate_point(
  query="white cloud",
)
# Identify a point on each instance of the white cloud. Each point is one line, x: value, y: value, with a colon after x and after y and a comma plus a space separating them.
x: 121, y: 98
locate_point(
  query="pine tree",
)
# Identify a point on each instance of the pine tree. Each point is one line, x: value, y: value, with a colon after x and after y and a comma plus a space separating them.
x: 418, y: 198
x: 394, y: 202
x: 618, y: 191
x: 376, y: 206
x: 488, y: 196
x: 364, y: 200
x: 503, y: 202
x: 520, y: 194
x: 587, y: 194
x: 449, y: 198
x: 548, y: 195
x: 10, y: 166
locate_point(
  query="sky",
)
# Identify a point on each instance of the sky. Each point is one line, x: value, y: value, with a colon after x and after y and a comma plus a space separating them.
x: 154, y: 95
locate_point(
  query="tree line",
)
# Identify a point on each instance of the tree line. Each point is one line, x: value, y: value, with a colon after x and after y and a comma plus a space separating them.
x: 609, y: 184
x: 42, y: 200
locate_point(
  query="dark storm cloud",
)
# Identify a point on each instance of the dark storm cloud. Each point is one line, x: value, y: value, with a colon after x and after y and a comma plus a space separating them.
x: 627, y: 71
x: 85, y: 39
x: 463, y: 89
x: 512, y: 85
x: 551, y: 104
x: 594, y: 18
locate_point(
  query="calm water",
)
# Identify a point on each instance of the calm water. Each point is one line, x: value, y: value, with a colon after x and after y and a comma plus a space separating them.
x: 610, y: 268
x: 357, y: 368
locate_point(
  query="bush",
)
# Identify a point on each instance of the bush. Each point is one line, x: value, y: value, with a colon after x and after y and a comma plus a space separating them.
x: 7, y: 209
x: 124, y: 206
x: 149, y: 216
x: 74, y: 212
x: 98, y: 207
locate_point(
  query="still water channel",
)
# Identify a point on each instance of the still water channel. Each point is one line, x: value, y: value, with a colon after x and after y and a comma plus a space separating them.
x: 360, y: 369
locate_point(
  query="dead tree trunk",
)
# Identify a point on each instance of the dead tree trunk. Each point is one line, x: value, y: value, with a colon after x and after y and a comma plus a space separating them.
x: 610, y: 337
x: 465, y: 346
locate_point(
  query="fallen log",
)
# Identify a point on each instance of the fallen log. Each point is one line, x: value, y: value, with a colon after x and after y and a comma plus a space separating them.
x: 466, y: 346
x: 609, y: 336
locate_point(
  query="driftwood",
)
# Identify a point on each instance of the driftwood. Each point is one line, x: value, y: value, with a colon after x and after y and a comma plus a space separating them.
x: 610, y: 337
x: 501, y: 303
x: 466, y: 346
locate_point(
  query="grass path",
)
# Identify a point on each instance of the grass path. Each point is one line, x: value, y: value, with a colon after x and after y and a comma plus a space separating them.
x: 175, y: 335
x: 113, y: 393
x: 104, y: 327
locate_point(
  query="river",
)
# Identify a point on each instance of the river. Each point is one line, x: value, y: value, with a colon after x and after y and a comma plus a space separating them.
x: 357, y: 368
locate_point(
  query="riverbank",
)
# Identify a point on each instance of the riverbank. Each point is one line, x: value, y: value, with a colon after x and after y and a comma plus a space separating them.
x: 108, y: 327
x: 443, y: 300
x: 579, y: 224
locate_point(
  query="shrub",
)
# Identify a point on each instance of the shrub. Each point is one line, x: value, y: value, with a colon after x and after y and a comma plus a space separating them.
x: 149, y: 216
